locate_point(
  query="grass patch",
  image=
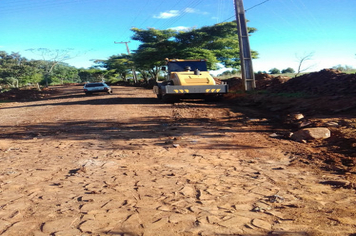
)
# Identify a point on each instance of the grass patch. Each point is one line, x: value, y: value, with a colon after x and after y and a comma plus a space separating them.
x: 5, y: 101
x: 292, y: 95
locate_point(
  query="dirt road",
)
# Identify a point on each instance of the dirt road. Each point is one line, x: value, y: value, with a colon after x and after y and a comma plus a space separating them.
x: 126, y: 164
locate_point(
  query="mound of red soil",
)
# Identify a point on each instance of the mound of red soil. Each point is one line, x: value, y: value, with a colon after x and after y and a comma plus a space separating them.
x: 324, y: 82
x: 325, y: 92
x: 26, y: 94
x: 263, y: 82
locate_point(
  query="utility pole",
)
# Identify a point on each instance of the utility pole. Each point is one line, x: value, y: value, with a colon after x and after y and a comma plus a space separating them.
x: 248, y: 76
x: 128, y: 52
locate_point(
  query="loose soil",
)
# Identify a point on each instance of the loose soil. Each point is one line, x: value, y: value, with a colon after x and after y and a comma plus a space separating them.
x: 127, y: 164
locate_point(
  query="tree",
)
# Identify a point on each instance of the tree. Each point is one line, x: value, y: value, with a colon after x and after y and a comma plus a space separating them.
x: 342, y: 68
x: 220, y: 39
x: 156, y: 45
x: 54, y: 57
x: 64, y: 72
x: 92, y: 75
x: 288, y: 70
x: 217, y: 43
x: 121, y: 65
x: 14, y: 69
x: 302, y: 60
x: 274, y: 71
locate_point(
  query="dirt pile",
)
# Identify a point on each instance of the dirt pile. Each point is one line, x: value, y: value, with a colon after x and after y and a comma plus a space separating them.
x: 325, y: 92
x: 326, y: 99
x: 324, y: 82
x: 26, y: 94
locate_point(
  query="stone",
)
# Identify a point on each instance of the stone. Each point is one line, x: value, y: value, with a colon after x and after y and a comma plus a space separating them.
x: 274, y: 135
x: 332, y: 124
x: 311, y: 133
x: 297, y: 116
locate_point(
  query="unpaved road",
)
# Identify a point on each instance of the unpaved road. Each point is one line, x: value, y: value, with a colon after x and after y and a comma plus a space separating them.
x: 126, y: 164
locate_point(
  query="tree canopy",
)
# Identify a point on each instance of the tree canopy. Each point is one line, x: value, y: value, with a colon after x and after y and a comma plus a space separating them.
x: 274, y: 71
x: 17, y: 71
x: 218, y: 44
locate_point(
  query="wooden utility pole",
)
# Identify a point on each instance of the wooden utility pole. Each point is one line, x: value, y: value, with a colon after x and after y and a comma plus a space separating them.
x: 128, y: 52
x: 247, y: 73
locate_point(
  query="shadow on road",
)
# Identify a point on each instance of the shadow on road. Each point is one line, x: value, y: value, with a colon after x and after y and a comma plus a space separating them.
x: 160, y: 131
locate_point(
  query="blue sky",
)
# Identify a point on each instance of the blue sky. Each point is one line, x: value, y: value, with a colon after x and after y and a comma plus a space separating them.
x: 286, y: 29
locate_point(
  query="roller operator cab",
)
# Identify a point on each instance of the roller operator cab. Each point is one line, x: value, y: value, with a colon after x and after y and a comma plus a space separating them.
x: 188, y: 79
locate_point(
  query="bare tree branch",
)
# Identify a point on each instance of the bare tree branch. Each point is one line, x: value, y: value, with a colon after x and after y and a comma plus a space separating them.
x: 302, y: 60
x: 54, y: 56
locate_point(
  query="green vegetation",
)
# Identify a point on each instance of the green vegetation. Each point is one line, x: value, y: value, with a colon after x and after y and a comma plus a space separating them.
x: 292, y: 95
x: 17, y: 71
x: 217, y: 43
x: 346, y: 69
x: 274, y: 71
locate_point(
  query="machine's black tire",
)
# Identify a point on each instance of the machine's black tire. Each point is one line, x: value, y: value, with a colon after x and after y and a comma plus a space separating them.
x: 213, y: 98
x: 168, y: 98
x: 159, y: 96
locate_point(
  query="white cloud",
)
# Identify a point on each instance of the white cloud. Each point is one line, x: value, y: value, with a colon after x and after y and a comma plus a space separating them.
x: 167, y: 14
x: 189, y: 10
x: 175, y: 13
x: 181, y: 28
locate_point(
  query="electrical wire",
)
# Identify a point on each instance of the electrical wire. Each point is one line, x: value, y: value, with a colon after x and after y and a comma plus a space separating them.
x: 13, y: 8
x: 193, y: 4
x: 256, y: 5
x: 150, y: 15
x: 246, y: 10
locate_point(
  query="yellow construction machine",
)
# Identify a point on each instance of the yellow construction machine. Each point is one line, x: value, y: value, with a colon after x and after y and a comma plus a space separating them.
x: 188, y: 79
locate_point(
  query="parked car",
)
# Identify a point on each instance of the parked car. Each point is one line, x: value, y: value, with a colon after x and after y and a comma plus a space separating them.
x: 90, y: 88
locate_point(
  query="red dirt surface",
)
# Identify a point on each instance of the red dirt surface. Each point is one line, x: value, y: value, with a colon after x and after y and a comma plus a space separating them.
x: 326, y: 98
x: 127, y: 164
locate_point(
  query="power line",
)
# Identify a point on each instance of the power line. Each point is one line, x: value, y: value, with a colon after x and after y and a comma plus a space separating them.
x: 182, y: 12
x: 256, y: 5
x: 24, y: 5
x: 247, y: 10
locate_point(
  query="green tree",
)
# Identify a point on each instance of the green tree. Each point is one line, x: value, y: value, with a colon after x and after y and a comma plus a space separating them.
x: 64, y: 73
x: 117, y: 65
x: 287, y: 70
x: 92, y: 75
x: 342, y: 68
x: 16, y: 70
x: 53, y: 57
x: 274, y: 71
x: 220, y: 39
x: 156, y: 45
x: 217, y: 43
